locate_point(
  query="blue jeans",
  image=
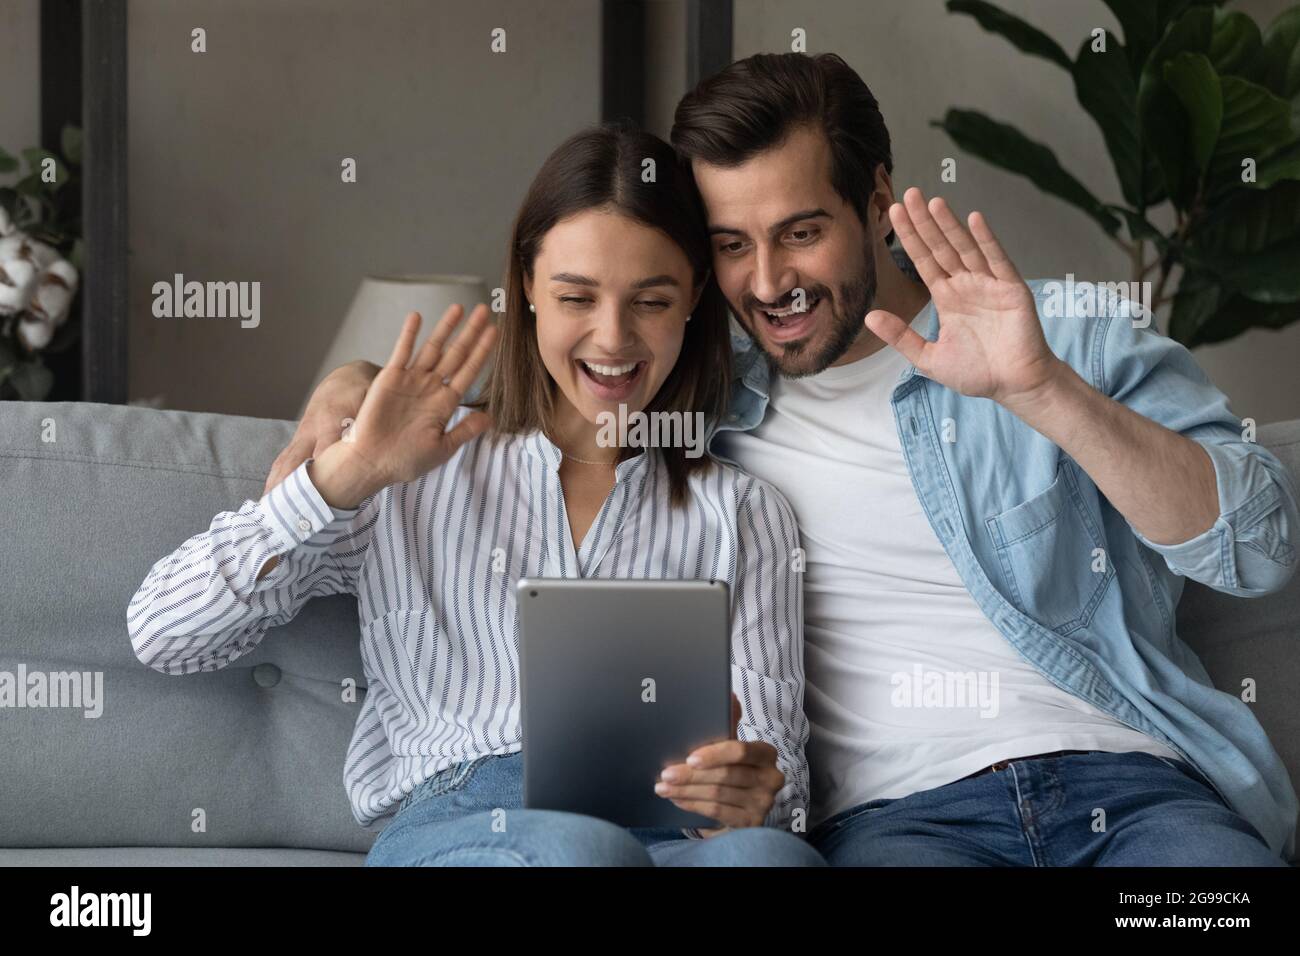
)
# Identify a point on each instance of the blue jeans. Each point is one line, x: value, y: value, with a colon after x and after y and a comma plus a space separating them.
x: 1092, y: 809
x: 471, y: 814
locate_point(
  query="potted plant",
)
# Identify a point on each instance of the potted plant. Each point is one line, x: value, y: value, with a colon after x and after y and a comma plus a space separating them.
x: 1200, y: 112
x: 40, y: 265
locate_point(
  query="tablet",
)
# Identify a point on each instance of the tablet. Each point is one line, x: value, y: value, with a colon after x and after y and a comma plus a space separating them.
x: 620, y: 678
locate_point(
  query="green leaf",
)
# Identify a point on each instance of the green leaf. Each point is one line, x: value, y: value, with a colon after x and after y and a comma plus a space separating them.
x: 70, y: 143
x: 1143, y: 22
x: 1231, y: 40
x: 1106, y: 89
x: 1138, y: 22
x: 1006, y: 147
x: 1139, y: 228
x: 1255, y: 122
x: 36, y: 158
x: 32, y: 380
x: 1161, y: 121
x: 1236, y: 46
x: 7, y: 162
x: 35, y: 155
x: 1230, y: 316
x: 1195, y: 303
x: 1283, y: 164
x: 1232, y: 44
x: 1266, y: 275
x: 1205, y: 312
x: 1026, y: 38
x: 1239, y: 314
x: 1196, y: 85
x: 1282, y: 53
x: 30, y: 185
x: 1248, y: 221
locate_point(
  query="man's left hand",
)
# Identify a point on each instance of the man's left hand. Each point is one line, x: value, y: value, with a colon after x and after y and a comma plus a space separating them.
x: 990, y: 343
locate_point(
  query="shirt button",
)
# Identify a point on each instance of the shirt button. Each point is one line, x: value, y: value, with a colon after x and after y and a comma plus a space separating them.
x: 303, y: 524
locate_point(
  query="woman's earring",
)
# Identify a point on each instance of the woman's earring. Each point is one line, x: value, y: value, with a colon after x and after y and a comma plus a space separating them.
x: 531, y: 307
x: 688, y: 318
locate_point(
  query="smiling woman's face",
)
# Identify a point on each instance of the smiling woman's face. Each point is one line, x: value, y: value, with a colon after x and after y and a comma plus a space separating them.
x: 611, y: 296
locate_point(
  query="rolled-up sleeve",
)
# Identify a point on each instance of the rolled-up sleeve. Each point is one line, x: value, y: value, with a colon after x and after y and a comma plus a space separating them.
x: 1250, y: 548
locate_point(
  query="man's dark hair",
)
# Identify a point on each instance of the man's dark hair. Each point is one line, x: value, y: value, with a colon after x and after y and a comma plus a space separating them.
x: 755, y: 103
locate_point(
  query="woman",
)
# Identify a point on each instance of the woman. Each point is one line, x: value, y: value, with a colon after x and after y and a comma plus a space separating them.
x: 430, y: 511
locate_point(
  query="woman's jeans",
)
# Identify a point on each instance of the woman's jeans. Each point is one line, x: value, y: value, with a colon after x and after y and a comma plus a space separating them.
x: 472, y: 814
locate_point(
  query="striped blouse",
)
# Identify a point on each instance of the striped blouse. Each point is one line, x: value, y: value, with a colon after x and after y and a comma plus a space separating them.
x: 433, y: 563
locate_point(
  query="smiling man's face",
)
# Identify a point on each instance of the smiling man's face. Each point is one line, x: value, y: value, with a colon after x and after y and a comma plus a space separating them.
x: 777, y: 226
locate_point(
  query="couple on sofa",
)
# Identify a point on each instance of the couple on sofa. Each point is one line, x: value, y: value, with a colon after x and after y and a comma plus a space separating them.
x: 996, y: 504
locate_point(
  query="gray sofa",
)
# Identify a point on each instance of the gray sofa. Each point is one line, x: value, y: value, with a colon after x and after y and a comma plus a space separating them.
x: 244, y: 766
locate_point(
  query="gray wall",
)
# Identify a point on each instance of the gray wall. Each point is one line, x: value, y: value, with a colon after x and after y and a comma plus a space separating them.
x: 234, y: 154
x: 20, y: 65
x: 665, y: 62
x: 234, y: 159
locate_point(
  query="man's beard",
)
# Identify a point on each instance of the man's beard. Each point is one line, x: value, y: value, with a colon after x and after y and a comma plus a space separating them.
x: 848, y: 310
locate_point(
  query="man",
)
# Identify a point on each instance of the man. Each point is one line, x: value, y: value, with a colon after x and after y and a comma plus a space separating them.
x: 998, y: 503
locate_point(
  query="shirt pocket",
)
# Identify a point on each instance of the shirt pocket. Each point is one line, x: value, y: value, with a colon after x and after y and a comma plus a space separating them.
x: 1045, y: 548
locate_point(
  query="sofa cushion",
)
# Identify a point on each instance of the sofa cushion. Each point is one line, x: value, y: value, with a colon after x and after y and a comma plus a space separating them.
x: 97, y: 493
x: 176, y: 856
x: 248, y: 756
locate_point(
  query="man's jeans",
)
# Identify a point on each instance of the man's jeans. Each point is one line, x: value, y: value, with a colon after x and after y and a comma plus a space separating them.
x: 1091, y: 809
x: 471, y: 814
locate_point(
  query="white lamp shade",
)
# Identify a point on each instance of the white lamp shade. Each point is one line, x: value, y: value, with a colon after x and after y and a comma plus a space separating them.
x: 369, y: 331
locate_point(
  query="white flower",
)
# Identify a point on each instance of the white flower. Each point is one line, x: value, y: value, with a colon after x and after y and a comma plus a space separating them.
x: 17, y: 282
x: 54, y: 292
x: 35, y: 333
x: 35, y: 284
x: 44, y: 256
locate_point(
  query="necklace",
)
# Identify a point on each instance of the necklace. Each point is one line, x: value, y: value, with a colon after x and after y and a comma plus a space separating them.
x: 585, y: 461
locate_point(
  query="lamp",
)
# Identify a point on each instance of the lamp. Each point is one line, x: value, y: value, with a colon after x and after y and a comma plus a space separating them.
x: 374, y: 318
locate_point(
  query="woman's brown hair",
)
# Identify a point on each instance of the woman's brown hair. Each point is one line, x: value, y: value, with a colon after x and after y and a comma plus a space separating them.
x: 605, y: 167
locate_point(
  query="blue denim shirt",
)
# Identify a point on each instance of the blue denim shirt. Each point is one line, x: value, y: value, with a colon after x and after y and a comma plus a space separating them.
x: 1021, y: 522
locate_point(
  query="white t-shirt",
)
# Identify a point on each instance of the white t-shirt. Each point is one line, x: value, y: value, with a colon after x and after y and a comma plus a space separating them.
x: 909, y: 685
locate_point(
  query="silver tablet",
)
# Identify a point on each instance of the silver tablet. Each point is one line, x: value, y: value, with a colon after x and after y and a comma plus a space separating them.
x: 620, y: 679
